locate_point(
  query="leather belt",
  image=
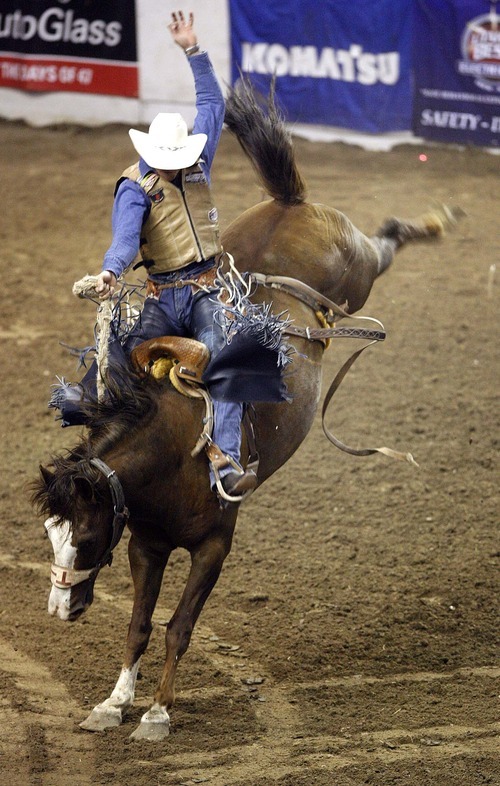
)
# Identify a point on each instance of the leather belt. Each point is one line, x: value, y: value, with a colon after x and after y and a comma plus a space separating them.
x: 205, y: 281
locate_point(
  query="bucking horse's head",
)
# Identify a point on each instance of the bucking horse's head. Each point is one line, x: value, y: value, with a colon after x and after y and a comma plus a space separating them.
x: 83, y: 497
x: 86, y: 516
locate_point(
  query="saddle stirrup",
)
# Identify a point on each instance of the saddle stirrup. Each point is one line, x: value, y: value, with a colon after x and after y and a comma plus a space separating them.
x: 218, y: 460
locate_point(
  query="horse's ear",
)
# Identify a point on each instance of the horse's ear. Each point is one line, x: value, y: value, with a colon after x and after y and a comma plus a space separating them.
x: 47, y: 475
x: 84, y: 489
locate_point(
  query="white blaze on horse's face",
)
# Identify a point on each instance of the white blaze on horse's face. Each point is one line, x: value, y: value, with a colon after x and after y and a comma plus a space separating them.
x: 64, y: 557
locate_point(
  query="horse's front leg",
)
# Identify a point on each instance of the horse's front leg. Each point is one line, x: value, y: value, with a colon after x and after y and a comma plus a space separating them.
x: 147, y: 574
x: 206, y: 565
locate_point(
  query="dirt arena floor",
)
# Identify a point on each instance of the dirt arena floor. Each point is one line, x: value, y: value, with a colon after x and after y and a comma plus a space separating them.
x: 351, y: 637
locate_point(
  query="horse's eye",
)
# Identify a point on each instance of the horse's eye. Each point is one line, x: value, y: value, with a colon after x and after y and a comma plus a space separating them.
x: 85, y: 541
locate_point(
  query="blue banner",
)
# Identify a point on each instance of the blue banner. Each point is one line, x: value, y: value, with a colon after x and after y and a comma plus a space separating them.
x: 457, y: 83
x: 337, y: 62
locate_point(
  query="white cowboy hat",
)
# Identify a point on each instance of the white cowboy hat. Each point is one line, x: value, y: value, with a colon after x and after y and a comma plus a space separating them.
x: 167, y: 145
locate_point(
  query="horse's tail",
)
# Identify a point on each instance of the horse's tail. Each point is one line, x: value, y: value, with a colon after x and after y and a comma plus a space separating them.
x: 262, y: 134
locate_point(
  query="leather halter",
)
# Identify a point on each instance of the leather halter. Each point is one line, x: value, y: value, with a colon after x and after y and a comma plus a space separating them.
x: 65, y: 578
x: 121, y: 512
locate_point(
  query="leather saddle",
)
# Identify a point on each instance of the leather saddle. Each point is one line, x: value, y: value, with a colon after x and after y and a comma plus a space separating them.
x: 184, y: 359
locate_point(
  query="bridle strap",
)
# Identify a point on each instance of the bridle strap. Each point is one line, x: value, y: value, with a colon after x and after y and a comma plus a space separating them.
x: 121, y: 512
x: 114, y: 483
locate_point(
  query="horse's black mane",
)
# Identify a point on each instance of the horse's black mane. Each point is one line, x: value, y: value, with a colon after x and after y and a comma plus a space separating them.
x: 54, y: 492
x: 128, y: 401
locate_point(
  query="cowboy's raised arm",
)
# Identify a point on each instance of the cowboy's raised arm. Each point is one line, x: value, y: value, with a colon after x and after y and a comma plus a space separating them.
x: 131, y: 205
x: 209, y: 99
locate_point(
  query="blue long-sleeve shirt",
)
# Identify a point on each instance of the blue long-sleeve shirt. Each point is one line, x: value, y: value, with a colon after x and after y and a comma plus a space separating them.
x: 131, y: 206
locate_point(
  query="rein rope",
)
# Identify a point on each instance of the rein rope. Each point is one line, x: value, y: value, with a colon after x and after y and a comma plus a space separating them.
x: 85, y: 288
x: 317, y: 301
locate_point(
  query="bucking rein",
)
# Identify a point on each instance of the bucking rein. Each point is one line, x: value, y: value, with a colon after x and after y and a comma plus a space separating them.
x: 185, y: 359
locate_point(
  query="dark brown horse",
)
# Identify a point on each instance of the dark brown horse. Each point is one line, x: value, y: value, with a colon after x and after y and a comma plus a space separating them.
x: 135, y: 464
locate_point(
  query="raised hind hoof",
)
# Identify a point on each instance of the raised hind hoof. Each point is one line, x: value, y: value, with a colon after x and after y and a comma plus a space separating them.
x: 427, y: 226
x: 151, y: 731
x: 101, y: 719
x: 440, y: 219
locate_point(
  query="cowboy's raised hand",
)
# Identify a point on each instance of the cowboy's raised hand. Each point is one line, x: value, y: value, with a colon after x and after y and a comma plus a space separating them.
x: 182, y: 30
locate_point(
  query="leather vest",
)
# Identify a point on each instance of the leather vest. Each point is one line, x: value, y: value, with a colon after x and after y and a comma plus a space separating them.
x: 182, y: 226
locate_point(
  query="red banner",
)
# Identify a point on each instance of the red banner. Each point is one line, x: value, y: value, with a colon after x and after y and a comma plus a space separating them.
x: 53, y: 73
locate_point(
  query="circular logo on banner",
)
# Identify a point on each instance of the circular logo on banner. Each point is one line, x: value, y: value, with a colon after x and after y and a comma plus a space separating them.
x: 481, y: 51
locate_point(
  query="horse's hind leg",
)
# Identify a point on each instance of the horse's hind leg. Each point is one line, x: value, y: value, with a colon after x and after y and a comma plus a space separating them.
x: 427, y: 226
x: 147, y: 573
x: 206, y: 564
x: 396, y: 232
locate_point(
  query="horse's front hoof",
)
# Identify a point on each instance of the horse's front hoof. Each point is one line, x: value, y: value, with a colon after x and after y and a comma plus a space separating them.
x: 154, y: 725
x: 102, y: 719
x: 153, y: 732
